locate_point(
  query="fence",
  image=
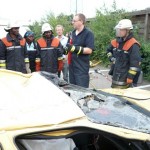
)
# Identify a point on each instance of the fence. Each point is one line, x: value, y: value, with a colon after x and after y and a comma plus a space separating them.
x: 142, y: 20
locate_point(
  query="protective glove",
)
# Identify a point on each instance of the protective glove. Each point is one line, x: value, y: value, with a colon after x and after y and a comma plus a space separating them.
x: 109, y: 54
x: 130, y: 76
x: 28, y: 68
x: 37, y: 64
x: 129, y: 81
x: 113, y: 60
x: 72, y: 48
x: 60, y: 65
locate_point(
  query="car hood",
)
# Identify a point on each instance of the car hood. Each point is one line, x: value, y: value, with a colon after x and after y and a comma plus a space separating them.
x: 36, y: 101
x: 31, y: 100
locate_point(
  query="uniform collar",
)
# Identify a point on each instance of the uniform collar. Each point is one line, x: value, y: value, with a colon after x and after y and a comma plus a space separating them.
x: 121, y: 40
x: 74, y: 31
x: 9, y: 38
x: 62, y: 37
x: 51, y: 38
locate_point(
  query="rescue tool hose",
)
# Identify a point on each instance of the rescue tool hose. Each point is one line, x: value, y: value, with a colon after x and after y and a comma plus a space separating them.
x: 133, y: 97
x: 126, y: 96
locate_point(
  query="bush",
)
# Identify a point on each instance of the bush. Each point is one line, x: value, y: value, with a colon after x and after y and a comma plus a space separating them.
x: 145, y: 52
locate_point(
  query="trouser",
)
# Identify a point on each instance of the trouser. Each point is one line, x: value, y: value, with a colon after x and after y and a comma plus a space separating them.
x: 78, y: 78
x: 65, y: 72
x: 32, y: 57
x: 32, y: 65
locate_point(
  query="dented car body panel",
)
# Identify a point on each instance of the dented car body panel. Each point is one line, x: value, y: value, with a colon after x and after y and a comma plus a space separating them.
x: 41, y: 106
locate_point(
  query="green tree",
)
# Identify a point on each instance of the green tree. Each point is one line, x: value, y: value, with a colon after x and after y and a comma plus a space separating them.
x: 53, y: 20
x: 103, y: 28
x: 36, y: 28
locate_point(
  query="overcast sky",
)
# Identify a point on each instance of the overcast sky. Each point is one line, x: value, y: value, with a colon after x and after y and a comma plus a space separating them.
x: 36, y: 9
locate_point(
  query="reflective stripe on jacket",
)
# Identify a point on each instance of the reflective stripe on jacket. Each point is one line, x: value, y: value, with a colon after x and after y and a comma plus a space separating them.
x: 49, y: 54
x: 127, y: 56
x: 14, y: 53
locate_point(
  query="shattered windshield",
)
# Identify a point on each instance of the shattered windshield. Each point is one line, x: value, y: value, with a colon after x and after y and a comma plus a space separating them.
x: 110, y: 110
x: 104, y: 108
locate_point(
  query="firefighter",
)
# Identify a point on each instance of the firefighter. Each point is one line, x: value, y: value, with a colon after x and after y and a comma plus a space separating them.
x: 80, y: 48
x: 49, y: 48
x: 31, y: 48
x: 124, y: 53
x: 13, y: 52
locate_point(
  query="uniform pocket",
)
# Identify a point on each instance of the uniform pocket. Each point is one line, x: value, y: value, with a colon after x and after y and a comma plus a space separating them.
x: 125, y: 56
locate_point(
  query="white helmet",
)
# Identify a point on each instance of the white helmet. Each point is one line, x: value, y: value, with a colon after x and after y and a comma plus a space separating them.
x: 46, y: 27
x: 124, y: 24
x: 12, y: 24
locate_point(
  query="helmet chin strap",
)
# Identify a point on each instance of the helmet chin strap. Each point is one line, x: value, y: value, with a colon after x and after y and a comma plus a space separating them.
x: 126, y: 35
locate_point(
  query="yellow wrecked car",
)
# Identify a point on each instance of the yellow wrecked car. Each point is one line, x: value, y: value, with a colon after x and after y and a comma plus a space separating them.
x: 39, y: 111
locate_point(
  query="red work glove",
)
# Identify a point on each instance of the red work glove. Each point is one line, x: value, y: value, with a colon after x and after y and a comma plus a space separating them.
x: 37, y: 65
x: 129, y: 81
x: 60, y: 65
x: 69, y: 57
